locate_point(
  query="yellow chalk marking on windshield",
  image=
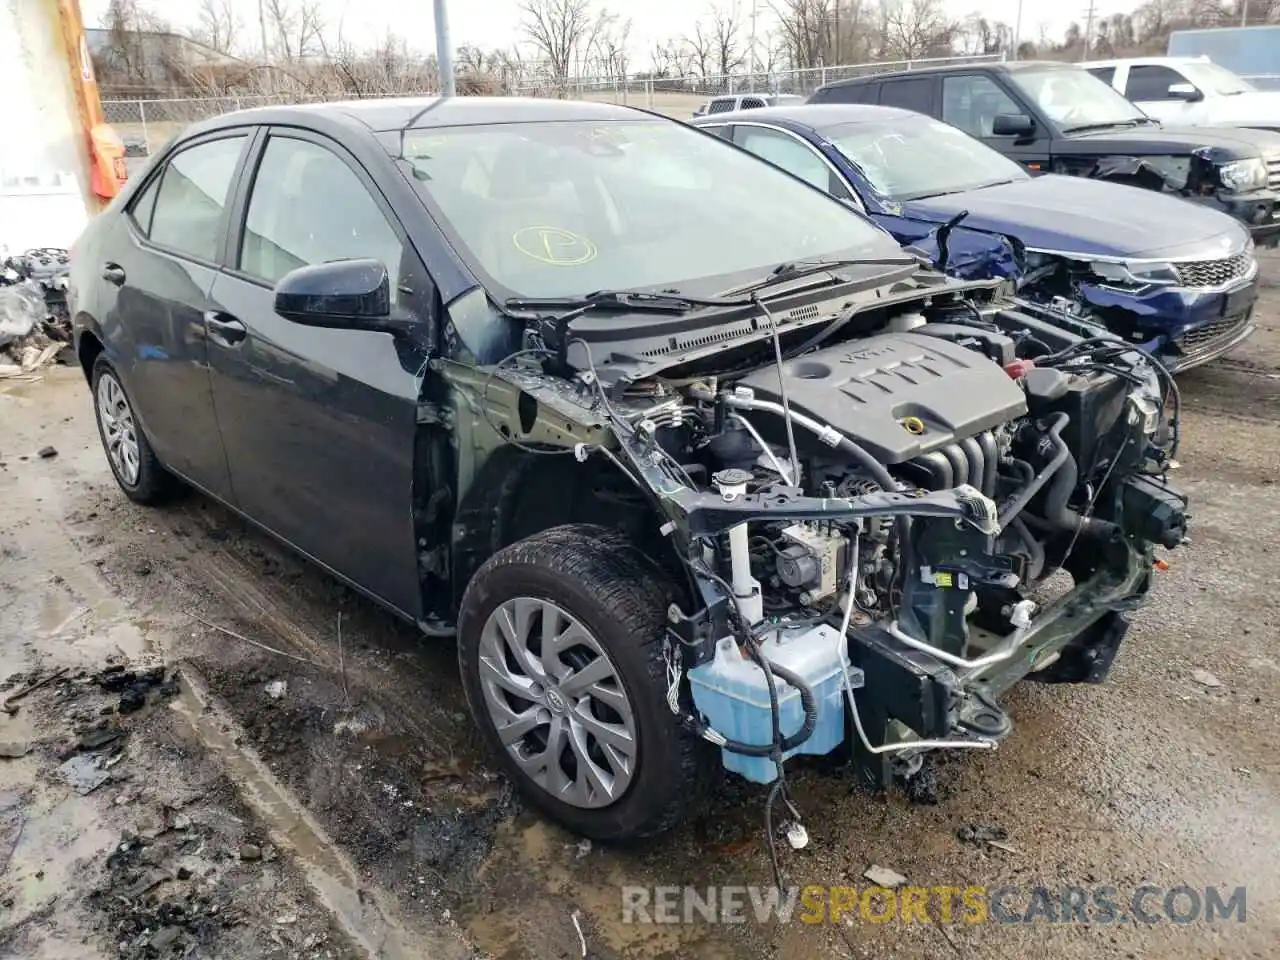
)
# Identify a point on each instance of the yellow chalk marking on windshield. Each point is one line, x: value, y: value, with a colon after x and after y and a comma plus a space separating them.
x: 554, y: 245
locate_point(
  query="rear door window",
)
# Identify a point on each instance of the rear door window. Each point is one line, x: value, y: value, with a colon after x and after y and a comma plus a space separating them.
x: 721, y: 105
x: 855, y: 93
x: 752, y: 103
x: 189, y: 215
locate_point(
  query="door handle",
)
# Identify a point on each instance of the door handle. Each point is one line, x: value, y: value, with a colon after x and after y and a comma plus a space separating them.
x: 113, y: 273
x: 225, y: 329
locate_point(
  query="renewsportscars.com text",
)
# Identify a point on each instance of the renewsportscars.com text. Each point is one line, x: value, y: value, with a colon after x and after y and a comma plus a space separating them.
x: 816, y: 904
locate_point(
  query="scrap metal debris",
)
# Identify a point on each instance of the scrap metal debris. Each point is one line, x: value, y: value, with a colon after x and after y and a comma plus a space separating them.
x: 981, y: 833
x: 35, y: 325
x: 884, y: 877
x: 10, y: 702
x: 84, y: 773
x: 1205, y: 678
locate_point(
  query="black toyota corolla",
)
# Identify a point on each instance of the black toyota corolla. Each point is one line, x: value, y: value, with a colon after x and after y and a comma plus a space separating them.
x: 700, y: 469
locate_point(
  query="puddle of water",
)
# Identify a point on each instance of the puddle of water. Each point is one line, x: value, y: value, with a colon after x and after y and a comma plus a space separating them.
x: 360, y: 912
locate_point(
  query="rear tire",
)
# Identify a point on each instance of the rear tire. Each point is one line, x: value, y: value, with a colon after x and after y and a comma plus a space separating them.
x: 133, y: 463
x: 583, y: 726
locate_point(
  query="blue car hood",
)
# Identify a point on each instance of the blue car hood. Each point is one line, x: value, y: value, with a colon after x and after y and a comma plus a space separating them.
x: 1075, y: 215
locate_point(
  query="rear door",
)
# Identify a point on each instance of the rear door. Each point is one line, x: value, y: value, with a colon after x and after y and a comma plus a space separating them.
x: 320, y: 424
x: 162, y: 261
x: 972, y: 101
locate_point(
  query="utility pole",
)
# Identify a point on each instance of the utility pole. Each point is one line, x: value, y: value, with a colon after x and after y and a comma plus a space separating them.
x: 1017, y: 31
x: 444, y: 51
x: 1088, y: 30
x: 1244, y: 13
x: 751, y: 83
x: 262, y: 26
x: 836, y: 20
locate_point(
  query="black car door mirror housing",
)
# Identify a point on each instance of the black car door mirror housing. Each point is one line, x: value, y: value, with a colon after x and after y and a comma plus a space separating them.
x: 1012, y: 125
x: 342, y: 294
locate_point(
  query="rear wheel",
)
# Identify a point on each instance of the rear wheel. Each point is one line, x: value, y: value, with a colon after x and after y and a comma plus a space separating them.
x: 132, y: 460
x: 560, y: 647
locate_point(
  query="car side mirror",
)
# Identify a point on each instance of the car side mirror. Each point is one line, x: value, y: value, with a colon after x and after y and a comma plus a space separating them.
x: 1012, y: 125
x: 1186, y: 92
x: 341, y: 294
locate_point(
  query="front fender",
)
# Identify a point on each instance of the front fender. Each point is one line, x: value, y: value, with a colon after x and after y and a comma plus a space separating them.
x: 971, y: 254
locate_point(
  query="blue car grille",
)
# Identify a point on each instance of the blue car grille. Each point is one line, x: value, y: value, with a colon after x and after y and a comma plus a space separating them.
x: 1206, y: 341
x: 1213, y: 273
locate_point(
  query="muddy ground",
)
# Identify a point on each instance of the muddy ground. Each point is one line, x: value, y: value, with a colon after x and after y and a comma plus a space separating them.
x: 351, y: 762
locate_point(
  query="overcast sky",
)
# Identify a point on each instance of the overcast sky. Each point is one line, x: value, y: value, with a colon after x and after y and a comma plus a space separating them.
x: 496, y: 23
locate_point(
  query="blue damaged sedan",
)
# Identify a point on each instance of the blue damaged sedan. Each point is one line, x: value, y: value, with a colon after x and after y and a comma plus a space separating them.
x: 1172, y: 277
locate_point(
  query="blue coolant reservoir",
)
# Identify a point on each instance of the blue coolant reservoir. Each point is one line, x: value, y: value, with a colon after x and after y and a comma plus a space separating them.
x: 731, y: 692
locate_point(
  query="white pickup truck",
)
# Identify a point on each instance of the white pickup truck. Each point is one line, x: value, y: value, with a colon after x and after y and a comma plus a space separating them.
x: 1190, y: 91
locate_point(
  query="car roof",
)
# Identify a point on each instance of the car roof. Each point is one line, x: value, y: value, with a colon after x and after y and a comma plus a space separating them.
x: 997, y: 66
x: 1141, y: 61
x: 813, y: 114
x: 381, y: 115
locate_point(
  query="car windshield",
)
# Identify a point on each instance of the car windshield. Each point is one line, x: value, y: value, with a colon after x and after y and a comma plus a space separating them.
x: 1074, y: 98
x: 915, y: 157
x: 562, y: 209
x: 1220, y: 80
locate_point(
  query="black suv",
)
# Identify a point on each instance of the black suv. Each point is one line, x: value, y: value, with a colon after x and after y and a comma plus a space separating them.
x: 1056, y: 117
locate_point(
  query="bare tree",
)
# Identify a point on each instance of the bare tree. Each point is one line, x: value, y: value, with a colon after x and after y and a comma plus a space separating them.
x: 978, y: 35
x: 217, y: 25
x: 560, y: 30
x: 611, y: 47
x: 296, y: 27
x: 806, y: 30
x: 916, y: 28
x: 726, y: 31
x: 700, y: 49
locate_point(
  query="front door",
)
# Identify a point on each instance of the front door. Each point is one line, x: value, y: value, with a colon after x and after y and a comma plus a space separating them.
x: 319, y: 424
x: 163, y: 273
x: 1163, y: 92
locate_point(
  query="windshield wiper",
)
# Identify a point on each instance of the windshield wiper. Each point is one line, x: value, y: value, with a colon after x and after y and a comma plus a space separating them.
x: 629, y: 300
x: 1134, y: 122
x: 799, y: 269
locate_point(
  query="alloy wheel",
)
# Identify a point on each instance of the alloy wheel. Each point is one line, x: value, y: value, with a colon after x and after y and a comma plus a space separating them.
x: 557, y: 702
x: 119, y: 430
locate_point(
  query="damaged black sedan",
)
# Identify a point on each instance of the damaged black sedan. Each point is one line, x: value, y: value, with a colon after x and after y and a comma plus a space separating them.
x: 699, y: 469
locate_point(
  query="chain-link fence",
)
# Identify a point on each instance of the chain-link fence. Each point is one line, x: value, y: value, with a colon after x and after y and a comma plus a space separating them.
x: 147, y: 125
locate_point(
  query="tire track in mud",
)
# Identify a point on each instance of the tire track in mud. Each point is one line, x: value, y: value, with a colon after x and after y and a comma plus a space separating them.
x: 222, y: 569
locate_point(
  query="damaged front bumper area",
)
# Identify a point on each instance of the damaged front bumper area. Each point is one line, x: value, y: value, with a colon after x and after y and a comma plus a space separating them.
x: 1258, y: 210
x: 1181, y: 327
x: 872, y: 584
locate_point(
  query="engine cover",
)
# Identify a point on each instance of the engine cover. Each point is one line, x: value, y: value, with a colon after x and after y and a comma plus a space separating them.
x: 869, y: 388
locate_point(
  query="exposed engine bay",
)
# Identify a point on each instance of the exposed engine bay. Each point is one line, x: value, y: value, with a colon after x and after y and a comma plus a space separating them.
x: 868, y: 524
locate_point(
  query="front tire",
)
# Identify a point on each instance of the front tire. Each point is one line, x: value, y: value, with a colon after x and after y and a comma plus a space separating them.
x: 133, y: 462
x: 560, y: 648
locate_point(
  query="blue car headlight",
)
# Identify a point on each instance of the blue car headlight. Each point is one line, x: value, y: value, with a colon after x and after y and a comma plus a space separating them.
x: 1242, y: 176
x: 1140, y: 273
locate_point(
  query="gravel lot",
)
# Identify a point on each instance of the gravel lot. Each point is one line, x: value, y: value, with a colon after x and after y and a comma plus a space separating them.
x: 391, y: 836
